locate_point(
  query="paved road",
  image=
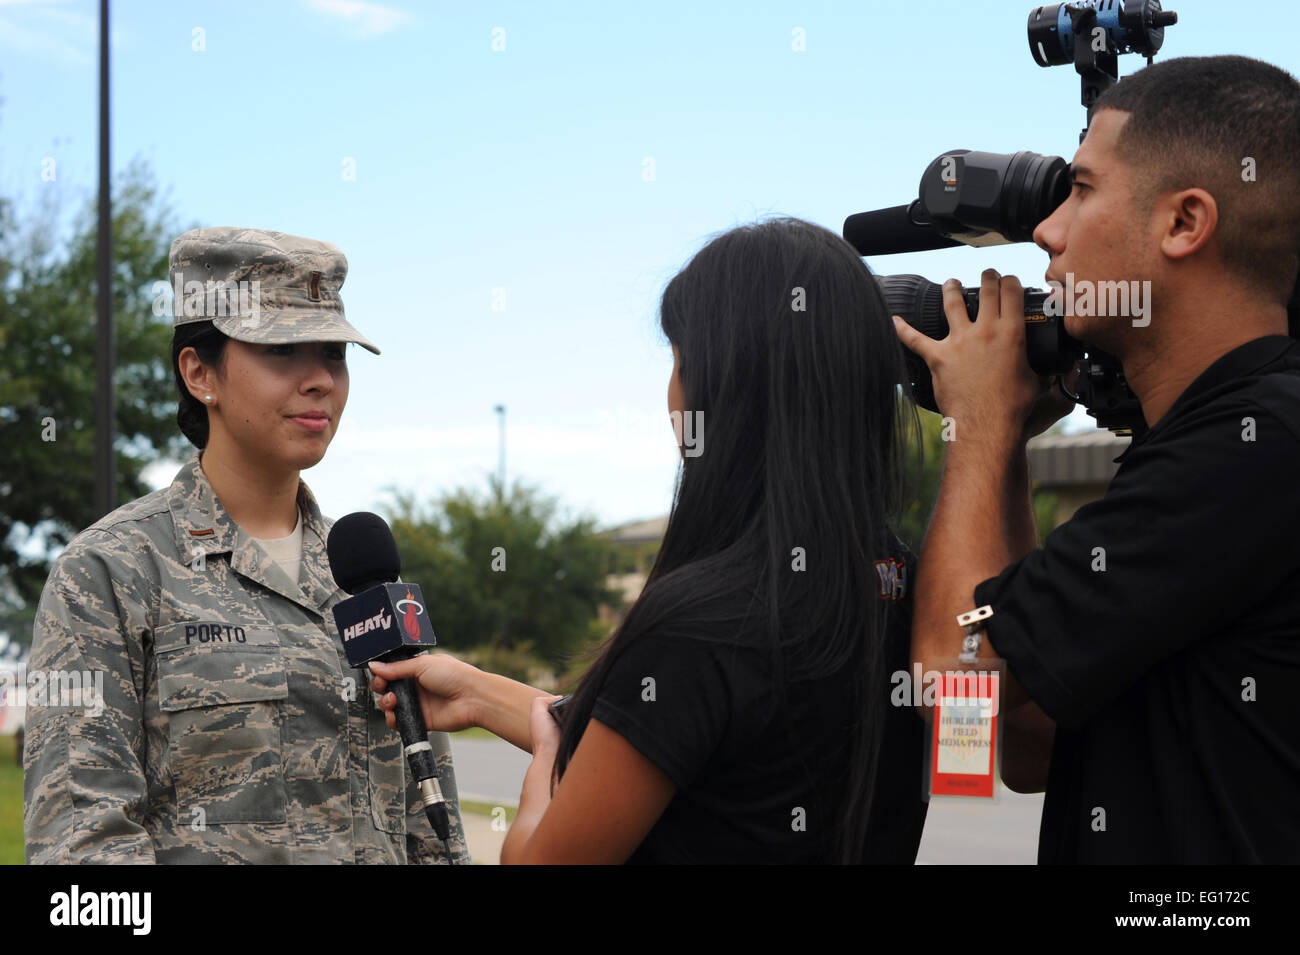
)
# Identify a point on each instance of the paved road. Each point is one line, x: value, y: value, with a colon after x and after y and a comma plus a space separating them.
x: 489, y: 769
x: 956, y: 831
x: 492, y: 772
x: 959, y: 832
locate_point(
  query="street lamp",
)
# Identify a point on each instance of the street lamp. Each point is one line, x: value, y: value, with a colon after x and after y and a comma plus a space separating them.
x: 501, y: 455
x: 105, y: 464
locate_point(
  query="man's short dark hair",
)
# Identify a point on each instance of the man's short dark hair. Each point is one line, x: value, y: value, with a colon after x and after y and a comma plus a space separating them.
x: 1205, y: 121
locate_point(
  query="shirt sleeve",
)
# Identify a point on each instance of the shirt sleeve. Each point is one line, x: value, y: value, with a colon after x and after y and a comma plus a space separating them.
x: 1185, y: 540
x: 671, y: 699
x: 84, y: 788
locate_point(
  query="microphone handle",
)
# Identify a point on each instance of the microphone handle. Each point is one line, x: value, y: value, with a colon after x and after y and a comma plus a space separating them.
x: 419, y: 752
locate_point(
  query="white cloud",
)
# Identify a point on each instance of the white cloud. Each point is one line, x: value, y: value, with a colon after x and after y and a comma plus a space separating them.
x: 47, y: 29
x: 47, y: 39
x: 370, y: 18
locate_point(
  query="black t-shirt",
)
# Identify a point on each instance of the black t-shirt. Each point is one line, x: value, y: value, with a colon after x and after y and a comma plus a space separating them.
x: 1173, y: 668
x: 714, y: 727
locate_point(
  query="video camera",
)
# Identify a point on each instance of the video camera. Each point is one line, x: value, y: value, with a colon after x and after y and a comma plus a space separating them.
x: 981, y: 199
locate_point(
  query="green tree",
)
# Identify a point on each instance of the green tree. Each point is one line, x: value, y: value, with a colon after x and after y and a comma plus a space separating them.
x: 47, y: 371
x: 924, y: 471
x: 504, y: 573
x: 924, y: 464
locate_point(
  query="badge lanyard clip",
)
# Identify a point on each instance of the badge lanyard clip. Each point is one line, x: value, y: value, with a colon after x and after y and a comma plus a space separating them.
x: 973, y: 622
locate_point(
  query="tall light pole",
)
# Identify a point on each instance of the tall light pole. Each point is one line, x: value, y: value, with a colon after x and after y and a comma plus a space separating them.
x: 105, y: 359
x: 501, y: 455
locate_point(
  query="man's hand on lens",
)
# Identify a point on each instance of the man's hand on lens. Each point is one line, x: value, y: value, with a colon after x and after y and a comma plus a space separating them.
x: 982, y: 378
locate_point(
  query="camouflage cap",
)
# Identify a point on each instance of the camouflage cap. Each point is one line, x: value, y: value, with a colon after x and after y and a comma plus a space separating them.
x: 262, y: 287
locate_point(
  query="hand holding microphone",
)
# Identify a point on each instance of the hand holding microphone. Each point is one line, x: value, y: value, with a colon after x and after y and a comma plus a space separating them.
x: 445, y: 701
x: 383, y: 620
x: 455, y: 695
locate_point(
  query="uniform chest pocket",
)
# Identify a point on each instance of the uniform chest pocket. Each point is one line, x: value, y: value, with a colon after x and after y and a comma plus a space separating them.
x: 222, y: 690
x: 386, y: 772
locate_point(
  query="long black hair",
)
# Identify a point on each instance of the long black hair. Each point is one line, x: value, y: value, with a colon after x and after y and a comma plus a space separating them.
x: 786, y: 347
x: 210, y: 345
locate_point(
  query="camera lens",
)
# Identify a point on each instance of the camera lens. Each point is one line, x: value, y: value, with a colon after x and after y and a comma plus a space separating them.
x: 1034, y: 186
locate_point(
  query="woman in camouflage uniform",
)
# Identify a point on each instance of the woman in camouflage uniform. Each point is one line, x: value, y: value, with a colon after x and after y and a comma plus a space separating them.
x: 229, y: 728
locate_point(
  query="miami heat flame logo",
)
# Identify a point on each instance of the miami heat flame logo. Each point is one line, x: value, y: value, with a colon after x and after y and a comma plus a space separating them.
x: 410, y: 616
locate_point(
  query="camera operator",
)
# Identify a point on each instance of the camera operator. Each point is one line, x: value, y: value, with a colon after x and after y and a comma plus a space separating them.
x: 1153, y: 643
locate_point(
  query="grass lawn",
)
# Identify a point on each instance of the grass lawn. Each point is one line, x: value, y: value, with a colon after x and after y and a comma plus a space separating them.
x: 11, y: 805
x: 476, y: 732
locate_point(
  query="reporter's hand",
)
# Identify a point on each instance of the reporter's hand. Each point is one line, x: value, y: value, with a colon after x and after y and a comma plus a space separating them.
x: 981, y: 373
x: 543, y: 730
x: 446, y: 689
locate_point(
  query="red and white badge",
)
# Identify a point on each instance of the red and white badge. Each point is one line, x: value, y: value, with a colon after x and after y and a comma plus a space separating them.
x: 964, y: 737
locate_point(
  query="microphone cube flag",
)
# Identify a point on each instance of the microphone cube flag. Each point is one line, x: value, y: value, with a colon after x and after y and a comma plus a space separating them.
x: 382, y: 619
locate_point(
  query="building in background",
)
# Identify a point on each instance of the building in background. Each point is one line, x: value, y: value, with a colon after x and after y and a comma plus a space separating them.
x: 637, y: 544
x: 1075, y: 468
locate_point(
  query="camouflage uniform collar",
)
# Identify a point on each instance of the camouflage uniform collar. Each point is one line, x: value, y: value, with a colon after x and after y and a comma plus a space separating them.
x: 204, y: 527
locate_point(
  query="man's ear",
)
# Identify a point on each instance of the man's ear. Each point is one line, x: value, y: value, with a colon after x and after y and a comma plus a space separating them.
x: 1190, y: 218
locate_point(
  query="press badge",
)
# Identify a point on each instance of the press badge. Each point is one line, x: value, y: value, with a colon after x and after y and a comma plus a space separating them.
x: 964, y: 735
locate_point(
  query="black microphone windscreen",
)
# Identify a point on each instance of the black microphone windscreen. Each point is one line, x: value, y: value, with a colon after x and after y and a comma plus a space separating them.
x: 887, y: 231
x: 362, y: 552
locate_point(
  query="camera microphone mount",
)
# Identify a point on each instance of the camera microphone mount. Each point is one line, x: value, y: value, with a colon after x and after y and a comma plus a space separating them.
x: 1092, y: 35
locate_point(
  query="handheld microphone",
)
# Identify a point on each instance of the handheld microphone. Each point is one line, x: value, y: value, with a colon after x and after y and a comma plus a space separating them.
x: 386, y: 621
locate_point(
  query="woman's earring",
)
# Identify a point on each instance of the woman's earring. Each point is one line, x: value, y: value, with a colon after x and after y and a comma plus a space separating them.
x: 207, y: 397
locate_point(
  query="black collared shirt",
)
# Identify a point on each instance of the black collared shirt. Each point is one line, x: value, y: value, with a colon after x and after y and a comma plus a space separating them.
x: 1160, y: 628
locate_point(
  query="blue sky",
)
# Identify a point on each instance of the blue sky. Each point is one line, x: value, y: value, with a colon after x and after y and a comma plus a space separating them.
x: 522, y: 169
